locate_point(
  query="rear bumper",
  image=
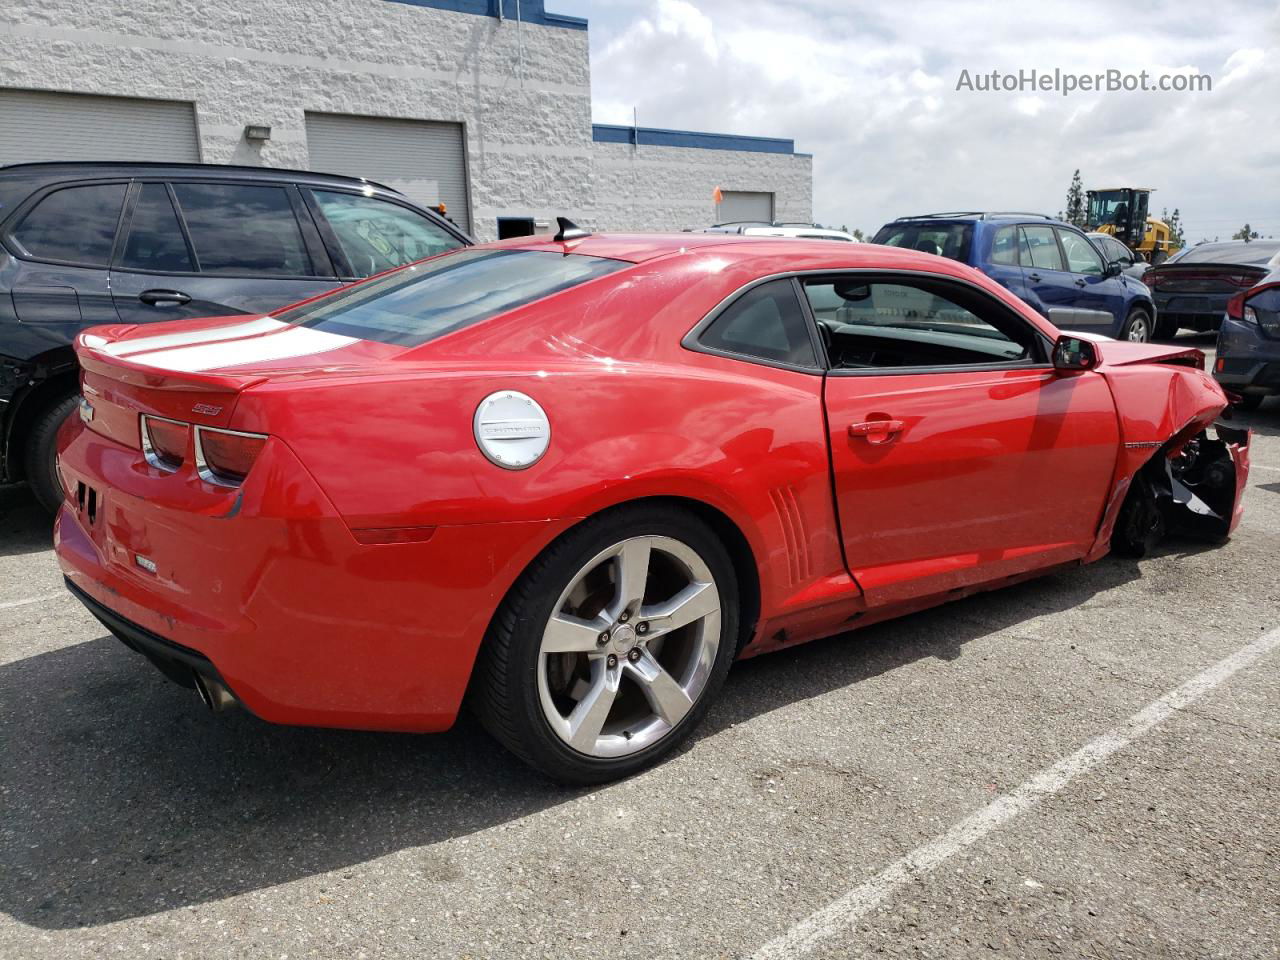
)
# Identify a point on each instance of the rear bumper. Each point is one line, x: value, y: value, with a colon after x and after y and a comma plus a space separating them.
x: 1192, y: 311
x: 1248, y: 361
x: 180, y: 664
x: 1253, y: 376
x: 276, y: 599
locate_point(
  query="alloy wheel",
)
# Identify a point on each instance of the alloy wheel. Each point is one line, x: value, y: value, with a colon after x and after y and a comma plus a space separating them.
x: 629, y: 647
x: 1139, y: 331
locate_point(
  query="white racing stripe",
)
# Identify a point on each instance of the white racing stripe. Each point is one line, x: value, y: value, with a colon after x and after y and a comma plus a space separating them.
x: 282, y: 345
x: 838, y: 919
x: 259, y: 325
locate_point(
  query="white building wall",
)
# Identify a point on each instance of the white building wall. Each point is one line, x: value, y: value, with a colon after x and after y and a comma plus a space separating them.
x: 521, y: 90
x: 645, y: 188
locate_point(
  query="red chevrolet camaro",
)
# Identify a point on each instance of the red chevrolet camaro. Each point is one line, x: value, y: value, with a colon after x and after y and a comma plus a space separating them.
x: 571, y: 480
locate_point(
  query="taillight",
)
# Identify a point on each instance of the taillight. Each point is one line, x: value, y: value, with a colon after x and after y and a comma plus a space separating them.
x: 1235, y: 307
x: 164, y: 442
x: 226, y: 456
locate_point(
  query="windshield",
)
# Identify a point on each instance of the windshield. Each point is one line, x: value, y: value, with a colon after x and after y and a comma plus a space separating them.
x: 949, y: 240
x: 426, y: 300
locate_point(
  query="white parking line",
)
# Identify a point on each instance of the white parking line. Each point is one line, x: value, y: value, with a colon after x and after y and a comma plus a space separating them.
x: 1263, y: 466
x: 839, y: 917
x: 31, y: 600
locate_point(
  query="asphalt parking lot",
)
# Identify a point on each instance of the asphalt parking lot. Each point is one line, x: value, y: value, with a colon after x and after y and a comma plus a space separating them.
x: 1086, y: 765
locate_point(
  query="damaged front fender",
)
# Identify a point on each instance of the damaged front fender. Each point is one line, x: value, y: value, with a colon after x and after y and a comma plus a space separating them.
x: 1193, y: 487
x: 1200, y: 489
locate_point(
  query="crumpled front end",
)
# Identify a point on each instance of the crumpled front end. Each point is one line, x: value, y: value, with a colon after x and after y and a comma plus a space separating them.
x: 1200, y: 486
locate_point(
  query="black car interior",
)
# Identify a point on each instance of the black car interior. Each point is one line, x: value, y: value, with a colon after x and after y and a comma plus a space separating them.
x: 919, y: 323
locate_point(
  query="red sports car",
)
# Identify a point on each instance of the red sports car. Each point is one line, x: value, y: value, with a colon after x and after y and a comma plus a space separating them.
x: 571, y: 480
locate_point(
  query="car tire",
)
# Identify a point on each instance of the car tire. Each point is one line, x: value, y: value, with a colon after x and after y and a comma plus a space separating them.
x: 1140, y: 524
x: 597, y: 710
x: 1165, y: 328
x: 1137, y: 326
x: 41, y: 455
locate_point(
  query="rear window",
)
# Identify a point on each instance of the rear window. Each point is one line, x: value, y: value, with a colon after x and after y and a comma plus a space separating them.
x: 1258, y: 252
x: 427, y: 300
x: 75, y: 225
x: 950, y: 240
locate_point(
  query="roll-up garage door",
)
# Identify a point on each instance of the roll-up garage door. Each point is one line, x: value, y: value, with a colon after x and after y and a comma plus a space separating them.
x: 36, y: 125
x: 422, y: 159
x: 739, y: 205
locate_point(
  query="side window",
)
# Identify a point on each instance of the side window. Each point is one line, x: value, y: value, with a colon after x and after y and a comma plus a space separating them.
x: 1122, y: 253
x: 767, y: 323
x: 1081, y: 255
x: 1040, y: 249
x: 376, y: 235
x: 77, y: 225
x: 1004, y: 247
x: 155, y: 238
x: 914, y: 322
x: 243, y: 230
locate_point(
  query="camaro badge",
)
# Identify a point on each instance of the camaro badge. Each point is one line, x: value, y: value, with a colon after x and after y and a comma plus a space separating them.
x: 206, y: 408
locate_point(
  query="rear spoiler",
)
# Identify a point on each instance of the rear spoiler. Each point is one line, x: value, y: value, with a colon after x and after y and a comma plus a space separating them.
x: 154, y: 378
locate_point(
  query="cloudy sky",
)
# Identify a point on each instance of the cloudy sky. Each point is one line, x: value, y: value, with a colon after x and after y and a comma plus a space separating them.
x: 871, y: 90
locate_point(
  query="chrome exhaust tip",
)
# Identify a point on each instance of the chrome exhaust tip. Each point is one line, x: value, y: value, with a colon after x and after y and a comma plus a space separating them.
x: 214, y: 694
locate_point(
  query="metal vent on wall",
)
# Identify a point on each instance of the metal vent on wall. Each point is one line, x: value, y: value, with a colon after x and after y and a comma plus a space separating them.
x: 423, y: 159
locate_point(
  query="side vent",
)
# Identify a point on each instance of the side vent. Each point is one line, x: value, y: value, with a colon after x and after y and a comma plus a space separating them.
x: 794, y: 534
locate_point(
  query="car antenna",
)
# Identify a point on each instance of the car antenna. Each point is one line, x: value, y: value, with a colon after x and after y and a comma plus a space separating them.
x: 569, y: 230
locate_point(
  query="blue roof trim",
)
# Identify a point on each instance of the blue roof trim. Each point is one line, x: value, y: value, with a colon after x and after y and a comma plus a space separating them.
x: 531, y: 11
x: 658, y: 137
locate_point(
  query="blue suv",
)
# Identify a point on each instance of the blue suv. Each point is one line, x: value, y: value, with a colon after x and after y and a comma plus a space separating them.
x: 1049, y: 264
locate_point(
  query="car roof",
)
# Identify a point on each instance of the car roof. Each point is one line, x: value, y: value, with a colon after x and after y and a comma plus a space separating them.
x: 62, y: 170
x: 792, y: 231
x: 639, y: 247
x: 964, y: 215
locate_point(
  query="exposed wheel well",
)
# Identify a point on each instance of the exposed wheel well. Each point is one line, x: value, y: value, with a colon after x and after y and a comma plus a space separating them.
x: 63, y: 381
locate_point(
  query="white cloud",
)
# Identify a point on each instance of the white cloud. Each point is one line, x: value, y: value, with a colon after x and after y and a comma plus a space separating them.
x: 870, y: 90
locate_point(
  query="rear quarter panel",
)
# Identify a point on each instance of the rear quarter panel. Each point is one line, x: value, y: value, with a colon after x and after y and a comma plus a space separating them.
x: 744, y: 439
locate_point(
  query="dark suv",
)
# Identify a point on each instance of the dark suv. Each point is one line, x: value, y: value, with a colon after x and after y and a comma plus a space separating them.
x: 1051, y: 265
x: 89, y: 243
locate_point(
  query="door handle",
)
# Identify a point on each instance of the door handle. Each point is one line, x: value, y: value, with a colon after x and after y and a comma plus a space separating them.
x: 877, y: 431
x: 1079, y: 281
x: 1033, y: 277
x: 157, y: 298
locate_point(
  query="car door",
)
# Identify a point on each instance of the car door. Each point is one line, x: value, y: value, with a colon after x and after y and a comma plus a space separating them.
x: 211, y: 248
x: 366, y: 235
x: 1098, y: 304
x: 63, y: 241
x: 1044, y: 271
x: 959, y: 454
x: 1001, y: 263
x: 1131, y: 264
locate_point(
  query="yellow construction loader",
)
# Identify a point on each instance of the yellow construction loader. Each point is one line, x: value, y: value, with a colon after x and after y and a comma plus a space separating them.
x: 1122, y: 212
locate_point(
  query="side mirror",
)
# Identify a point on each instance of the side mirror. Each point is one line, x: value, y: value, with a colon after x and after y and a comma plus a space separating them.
x: 1113, y: 269
x: 1074, y: 354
